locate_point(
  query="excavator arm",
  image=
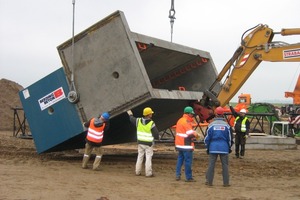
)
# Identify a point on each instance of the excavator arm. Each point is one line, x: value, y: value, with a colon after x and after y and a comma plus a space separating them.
x: 256, y: 46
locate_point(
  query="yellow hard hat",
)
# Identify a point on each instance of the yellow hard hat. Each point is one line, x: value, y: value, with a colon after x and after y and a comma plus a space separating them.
x: 147, y: 111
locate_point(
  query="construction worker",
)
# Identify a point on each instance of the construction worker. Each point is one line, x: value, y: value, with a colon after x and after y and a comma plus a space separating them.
x: 146, y: 133
x: 218, y: 142
x: 185, y: 135
x: 241, y: 127
x: 96, y: 128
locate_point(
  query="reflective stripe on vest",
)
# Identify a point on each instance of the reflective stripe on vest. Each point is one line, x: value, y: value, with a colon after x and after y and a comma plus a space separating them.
x: 95, y: 134
x: 180, y: 142
x: 185, y: 146
x: 243, y: 124
x: 183, y: 131
x: 144, y: 131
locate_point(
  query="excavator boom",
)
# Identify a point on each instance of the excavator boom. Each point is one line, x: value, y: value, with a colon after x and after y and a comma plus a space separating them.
x: 256, y: 46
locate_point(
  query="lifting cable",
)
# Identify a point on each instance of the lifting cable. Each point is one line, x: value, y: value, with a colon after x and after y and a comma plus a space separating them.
x: 73, y: 96
x: 172, y: 18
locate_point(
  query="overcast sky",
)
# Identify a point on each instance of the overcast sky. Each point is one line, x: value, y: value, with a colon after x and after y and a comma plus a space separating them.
x: 30, y: 31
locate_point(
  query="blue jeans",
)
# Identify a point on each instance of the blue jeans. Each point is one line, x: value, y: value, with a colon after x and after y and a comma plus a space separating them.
x: 185, y: 157
x: 211, y: 168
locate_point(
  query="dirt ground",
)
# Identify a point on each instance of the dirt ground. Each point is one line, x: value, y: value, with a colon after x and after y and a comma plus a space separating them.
x: 263, y: 174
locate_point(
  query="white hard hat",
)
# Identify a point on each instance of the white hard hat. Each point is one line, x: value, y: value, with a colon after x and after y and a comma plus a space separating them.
x: 243, y: 110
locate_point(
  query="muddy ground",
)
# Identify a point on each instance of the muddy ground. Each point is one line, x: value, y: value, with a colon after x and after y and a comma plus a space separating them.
x: 263, y: 174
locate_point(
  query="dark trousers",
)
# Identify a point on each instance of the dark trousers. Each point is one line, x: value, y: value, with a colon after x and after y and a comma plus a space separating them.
x: 211, y: 168
x: 240, y: 141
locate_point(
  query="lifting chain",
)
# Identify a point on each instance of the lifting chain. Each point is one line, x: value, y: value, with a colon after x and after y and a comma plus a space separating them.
x: 172, y: 18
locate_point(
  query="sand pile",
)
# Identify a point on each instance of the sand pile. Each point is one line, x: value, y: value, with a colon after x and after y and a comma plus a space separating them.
x: 9, y: 98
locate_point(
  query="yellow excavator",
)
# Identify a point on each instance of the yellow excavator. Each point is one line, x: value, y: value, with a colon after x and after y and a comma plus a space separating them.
x: 256, y: 46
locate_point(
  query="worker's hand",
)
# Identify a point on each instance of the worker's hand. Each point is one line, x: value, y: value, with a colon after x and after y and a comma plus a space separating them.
x: 230, y: 150
x: 129, y: 112
x: 197, y: 136
x: 207, y: 151
x: 246, y: 137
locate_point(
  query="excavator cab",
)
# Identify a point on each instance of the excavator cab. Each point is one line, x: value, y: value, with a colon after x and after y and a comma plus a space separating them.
x: 244, y: 99
x: 282, y: 128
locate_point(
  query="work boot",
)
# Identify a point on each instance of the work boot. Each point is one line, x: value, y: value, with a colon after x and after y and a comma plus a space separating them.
x: 97, y: 162
x: 208, y: 184
x: 190, y: 180
x: 150, y: 176
x: 85, y: 161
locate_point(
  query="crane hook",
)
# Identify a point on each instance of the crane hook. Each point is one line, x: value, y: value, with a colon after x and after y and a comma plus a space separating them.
x: 172, y: 18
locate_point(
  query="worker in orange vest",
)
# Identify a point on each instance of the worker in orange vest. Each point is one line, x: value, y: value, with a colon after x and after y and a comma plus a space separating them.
x: 185, y: 135
x: 96, y: 128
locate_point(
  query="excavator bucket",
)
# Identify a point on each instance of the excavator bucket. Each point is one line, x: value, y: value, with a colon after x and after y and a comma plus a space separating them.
x: 114, y: 70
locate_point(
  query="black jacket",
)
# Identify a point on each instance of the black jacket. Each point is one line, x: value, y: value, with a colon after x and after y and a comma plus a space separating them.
x: 238, y: 123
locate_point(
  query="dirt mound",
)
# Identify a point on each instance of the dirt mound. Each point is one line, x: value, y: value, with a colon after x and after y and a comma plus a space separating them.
x: 9, y: 99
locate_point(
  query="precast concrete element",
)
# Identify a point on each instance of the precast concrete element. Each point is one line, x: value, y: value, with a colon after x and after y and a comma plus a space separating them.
x: 114, y: 70
x: 270, y: 142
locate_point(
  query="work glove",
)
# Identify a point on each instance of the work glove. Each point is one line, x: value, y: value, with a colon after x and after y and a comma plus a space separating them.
x: 230, y: 150
x: 207, y: 151
x: 197, y: 137
x: 246, y: 137
x: 83, y: 125
x: 129, y: 112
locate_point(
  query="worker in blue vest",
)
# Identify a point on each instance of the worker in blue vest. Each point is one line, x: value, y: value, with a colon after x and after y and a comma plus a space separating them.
x: 241, y: 128
x: 218, y: 143
x: 146, y: 133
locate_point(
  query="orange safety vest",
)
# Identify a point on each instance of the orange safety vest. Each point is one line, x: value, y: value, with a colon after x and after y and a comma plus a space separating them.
x: 95, y: 134
x: 184, y: 130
